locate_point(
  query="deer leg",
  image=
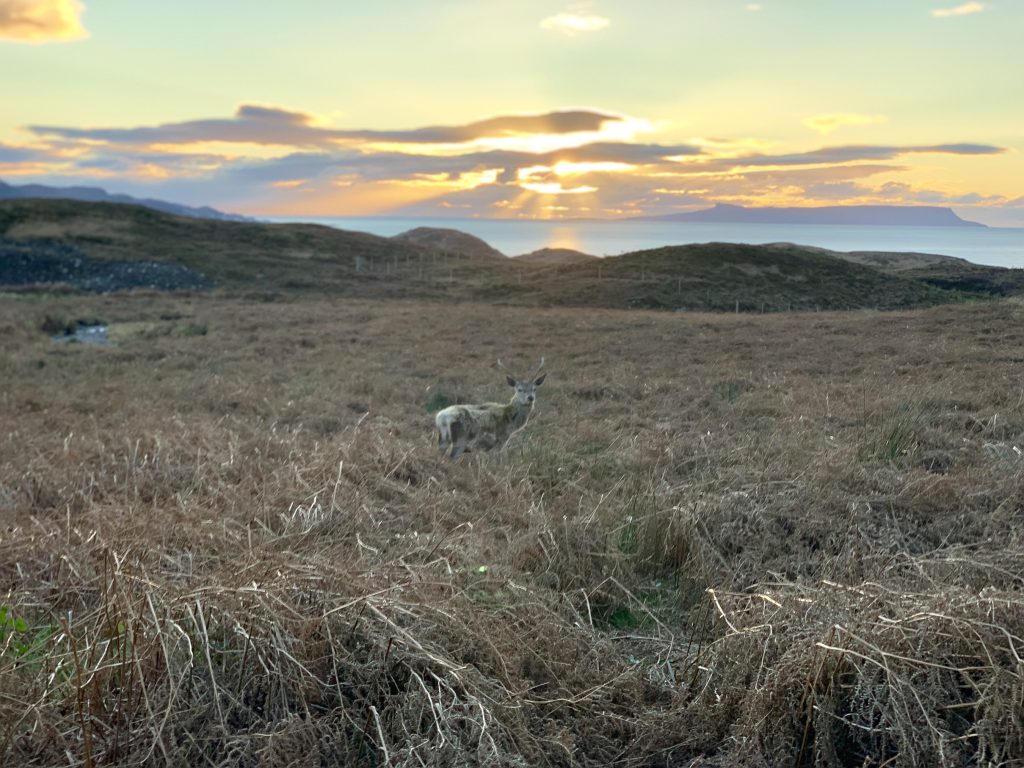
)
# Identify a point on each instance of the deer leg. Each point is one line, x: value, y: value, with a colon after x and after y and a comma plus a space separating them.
x: 444, y: 440
x: 457, y: 440
x: 444, y: 434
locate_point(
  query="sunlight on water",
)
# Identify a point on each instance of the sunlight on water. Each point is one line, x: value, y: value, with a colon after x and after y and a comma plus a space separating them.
x: 564, y: 237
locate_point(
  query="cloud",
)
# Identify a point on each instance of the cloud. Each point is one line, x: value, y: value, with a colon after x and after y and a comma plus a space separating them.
x: 825, y: 124
x: 582, y: 162
x: 959, y: 10
x: 251, y: 124
x: 504, y: 165
x: 41, y: 21
x: 621, y: 152
x: 572, y: 24
x: 856, y: 153
x: 13, y: 154
x: 264, y: 125
x: 896, y: 193
x: 570, y: 121
x: 975, y: 198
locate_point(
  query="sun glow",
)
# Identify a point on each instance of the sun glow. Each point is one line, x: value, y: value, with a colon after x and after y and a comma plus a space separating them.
x: 623, y: 129
x: 554, y: 188
x: 537, y: 178
x: 619, y: 129
x: 567, y: 168
x: 468, y: 180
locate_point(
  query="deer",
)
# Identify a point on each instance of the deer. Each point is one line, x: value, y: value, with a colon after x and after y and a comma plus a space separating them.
x: 487, y: 426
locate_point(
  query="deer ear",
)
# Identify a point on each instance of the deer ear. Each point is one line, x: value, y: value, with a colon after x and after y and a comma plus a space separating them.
x: 540, y: 381
x: 510, y: 380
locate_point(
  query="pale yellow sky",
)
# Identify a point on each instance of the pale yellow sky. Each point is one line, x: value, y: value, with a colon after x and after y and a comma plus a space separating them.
x: 513, y: 109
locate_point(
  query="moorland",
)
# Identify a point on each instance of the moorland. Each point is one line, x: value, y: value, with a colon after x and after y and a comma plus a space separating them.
x: 790, y: 538
x: 275, y: 260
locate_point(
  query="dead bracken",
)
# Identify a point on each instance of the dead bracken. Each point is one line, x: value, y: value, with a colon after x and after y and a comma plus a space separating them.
x: 729, y: 543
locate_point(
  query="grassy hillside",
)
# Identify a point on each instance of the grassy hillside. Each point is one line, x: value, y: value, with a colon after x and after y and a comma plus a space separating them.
x: 245, y: 255
x: 556, y: 256
x: 449, y: 240
x: 720, y: 541
x: 948, y: 272
x: 299, y: 258
x: 717, y: 276
x: 974, y: 278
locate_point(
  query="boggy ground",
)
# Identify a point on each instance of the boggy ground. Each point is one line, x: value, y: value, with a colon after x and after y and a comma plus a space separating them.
x: 721, y: 540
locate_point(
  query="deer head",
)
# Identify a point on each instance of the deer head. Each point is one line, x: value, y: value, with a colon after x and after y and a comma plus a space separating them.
x: 526, y: 389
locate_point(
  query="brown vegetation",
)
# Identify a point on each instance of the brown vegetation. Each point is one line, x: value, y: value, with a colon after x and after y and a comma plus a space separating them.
x: 720, y: 541
x: 450, y: 240
x: 279, y: 260
x: 556, y: 256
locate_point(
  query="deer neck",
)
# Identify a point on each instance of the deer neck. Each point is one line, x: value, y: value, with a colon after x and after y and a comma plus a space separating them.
x: 516, y: 414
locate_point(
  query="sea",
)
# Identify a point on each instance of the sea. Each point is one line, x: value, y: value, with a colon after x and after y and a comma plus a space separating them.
x: 995, y: 246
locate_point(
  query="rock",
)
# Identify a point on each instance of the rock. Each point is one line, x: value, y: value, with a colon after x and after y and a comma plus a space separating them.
x: 42, y: 262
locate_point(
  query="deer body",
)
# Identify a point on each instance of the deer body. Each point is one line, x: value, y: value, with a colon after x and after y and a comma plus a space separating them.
x: 486, y: 426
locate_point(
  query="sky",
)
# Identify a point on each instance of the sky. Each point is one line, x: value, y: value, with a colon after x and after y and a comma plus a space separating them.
x: 519, y: 108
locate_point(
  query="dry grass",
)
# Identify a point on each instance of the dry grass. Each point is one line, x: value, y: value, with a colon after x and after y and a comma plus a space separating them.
x: 721, y: 540
x: 259, y: 260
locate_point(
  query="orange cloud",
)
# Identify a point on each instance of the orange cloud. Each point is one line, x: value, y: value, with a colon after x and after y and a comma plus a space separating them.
x: 567, y: 162
x: 257, y: 124
x: 41, y: 21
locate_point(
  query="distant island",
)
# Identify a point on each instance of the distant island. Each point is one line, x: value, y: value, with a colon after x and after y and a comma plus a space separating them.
x: 100, y: 195
x: 848, y: 215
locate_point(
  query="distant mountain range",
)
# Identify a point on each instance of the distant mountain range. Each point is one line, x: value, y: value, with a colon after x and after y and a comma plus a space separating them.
x: 98, y: 195
x: 848, y: 215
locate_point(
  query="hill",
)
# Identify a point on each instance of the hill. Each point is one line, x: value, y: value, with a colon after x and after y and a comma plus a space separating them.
x: 556, y: 256
x: 897, y: 261
x: 246, y: 255
x: 451, y: 240
x: 843, y: 215
x: 308, y: 258
x: 948, y: 272
x: 99, y: 195
x: 727, y: 276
